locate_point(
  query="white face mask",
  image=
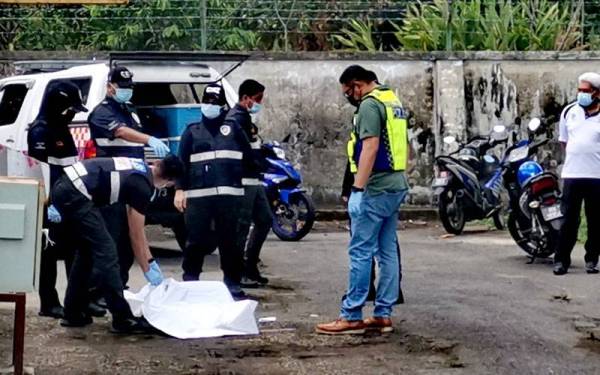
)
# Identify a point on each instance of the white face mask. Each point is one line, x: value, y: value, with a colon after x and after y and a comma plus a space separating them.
x: 210, y: 111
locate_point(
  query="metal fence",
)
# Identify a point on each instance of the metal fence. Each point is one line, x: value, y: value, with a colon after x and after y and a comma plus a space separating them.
x: 286, y: 25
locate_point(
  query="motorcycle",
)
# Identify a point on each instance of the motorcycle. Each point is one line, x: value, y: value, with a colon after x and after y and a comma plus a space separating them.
x: 535, y: 215
x: 469, y: 184
x: 293, y: 210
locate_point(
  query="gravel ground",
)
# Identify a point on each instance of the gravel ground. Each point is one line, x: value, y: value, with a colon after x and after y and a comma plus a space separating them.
x: 473, y: 306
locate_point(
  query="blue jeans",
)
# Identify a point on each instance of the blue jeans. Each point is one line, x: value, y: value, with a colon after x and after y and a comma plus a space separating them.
x: 374, y: 234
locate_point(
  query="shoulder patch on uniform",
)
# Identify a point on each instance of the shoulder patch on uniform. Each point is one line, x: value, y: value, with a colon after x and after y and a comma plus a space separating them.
x: 225, y: 130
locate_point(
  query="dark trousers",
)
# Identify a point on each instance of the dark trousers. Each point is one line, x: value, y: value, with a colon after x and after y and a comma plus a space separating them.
x: 256, y: 209
x: 97, y: 248
x: 115, y: 217
x: 575, y: 192
x: 63, y: 248
x: 201, y: 214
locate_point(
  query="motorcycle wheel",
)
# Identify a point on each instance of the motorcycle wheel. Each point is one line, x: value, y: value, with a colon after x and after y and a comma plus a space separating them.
x: 451, y: 212
x: 532, y: 246
x: 293, y: 221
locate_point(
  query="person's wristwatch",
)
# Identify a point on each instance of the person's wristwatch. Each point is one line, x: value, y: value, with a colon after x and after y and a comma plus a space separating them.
x: 357, y: 189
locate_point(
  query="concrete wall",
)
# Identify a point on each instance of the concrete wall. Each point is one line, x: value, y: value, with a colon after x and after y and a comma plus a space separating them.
x: 459, y: 94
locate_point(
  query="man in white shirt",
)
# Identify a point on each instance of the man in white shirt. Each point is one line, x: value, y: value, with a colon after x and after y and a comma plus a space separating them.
x: 580, y: 137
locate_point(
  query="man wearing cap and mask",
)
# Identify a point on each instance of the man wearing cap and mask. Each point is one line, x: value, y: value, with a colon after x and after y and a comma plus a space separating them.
x: 50, y: 141
x: 117, y: 132
x: 213, y: 154
x: 256, y: 208
x: 580, y: 136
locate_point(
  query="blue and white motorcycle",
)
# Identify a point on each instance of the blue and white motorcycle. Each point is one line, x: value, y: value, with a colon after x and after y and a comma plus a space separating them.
x: 293, y: 210
x: 468, y: 184
x: 535, y: 216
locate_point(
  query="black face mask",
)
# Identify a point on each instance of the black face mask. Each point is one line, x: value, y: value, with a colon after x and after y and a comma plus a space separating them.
x: 351, y: 100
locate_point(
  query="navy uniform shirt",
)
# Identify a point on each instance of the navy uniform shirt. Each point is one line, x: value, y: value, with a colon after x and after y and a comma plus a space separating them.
x: 52, y: 144
x: 104, y: 121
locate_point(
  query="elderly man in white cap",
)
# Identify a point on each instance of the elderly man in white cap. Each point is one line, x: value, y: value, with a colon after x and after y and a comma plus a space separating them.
x: 580, y: 137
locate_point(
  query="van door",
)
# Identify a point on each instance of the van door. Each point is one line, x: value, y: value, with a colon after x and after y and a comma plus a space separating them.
x: 12, y: 97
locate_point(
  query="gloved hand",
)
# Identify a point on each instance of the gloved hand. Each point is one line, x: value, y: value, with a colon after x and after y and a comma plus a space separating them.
x: 154, y: 275
x: 354, y: 203
x: 159, y: 147
x: 54, y: 215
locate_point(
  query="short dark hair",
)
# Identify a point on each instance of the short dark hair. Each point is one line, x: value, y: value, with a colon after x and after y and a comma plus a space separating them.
x: 357, y: 73
x: 250, y: 87
x: 171, y: 167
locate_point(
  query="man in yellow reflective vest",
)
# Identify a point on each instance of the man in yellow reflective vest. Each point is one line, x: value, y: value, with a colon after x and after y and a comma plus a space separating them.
x: 378, y: 156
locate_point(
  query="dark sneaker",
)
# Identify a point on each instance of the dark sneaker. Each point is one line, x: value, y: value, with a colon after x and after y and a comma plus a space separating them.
x: 591, y: 267
x: 383, y: 325
x: 132, y: 326
x: 95, y: 310
x: 249, y: 283
x: 80, y: 321
x: 55, y: 312
x: 559, y: 269
x: 342, y: 327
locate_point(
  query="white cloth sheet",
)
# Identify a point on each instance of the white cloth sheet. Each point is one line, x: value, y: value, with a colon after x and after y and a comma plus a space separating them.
x: 194, y: 309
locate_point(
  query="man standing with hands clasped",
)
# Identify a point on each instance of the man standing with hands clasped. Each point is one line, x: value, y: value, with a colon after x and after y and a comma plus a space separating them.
x: 378, y: 153
x: 580, y: 136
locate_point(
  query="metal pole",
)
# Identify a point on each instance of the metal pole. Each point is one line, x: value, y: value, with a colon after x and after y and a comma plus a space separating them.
x: 203, y: 26
x: 449, y: 27
x: 582, y: 22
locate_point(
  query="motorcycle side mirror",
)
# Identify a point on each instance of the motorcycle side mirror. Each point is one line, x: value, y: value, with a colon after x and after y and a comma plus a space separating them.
x: 534, y: 124
x: 450, y: 139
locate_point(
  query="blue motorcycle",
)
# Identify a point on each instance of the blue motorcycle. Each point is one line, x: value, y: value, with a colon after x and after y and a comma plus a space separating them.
x: 535, y: 216
x: 293, y: 210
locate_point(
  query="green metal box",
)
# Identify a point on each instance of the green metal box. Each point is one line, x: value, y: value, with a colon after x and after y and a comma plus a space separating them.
x: 21, y: 204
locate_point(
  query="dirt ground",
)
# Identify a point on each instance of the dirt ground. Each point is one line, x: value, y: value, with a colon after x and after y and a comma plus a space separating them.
x: 473, y: 306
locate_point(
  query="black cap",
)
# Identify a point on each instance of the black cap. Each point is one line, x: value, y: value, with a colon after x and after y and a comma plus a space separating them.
x: 214, y: 94
x: 121, y: 76
x: 66, y: 95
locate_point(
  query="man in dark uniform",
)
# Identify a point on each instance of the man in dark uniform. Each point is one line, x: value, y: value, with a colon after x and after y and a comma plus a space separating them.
x: 87, y: 186
x: 213, y: 154
x: 116, y: 131
x: 50, y: 141
x: 256, y: 208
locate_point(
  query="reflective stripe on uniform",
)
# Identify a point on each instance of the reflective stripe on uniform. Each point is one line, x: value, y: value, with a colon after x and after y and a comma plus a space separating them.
x: 115, y: 186
x: 251, y: 182
x: 73, y: 173
x: 208, y: 192
x: 212, y: 155
x: 63, y: 162
x: 118, y: 142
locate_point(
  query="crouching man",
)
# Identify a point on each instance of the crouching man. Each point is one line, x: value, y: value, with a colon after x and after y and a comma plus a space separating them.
x: 78, y: 195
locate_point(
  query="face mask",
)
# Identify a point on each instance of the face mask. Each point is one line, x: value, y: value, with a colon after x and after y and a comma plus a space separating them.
x: 255, y: 108
x: 210, y: 111
x: 123, y: 95
x: 585, y: 99
x: 351, y: 100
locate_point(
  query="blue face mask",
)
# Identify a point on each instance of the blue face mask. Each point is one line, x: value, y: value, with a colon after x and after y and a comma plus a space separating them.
x: 210, y: 111
x: 123, y: 95
x: 256, y: 107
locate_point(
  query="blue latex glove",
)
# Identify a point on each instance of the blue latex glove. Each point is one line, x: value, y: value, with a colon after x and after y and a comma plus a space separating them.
x: 154, y: 275
x: 354, y: 203
x: 159, y: 147
x: 54, y: 215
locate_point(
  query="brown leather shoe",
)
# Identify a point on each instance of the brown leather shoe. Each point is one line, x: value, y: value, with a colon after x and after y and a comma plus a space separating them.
x: 342, y: 327
x: 383, y: 325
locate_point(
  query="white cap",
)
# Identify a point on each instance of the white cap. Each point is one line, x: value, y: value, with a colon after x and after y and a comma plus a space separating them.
x: 591, y: 78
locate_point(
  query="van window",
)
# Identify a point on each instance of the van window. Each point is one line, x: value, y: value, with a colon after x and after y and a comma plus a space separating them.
x: 83, y: 83
x: 11, y: 100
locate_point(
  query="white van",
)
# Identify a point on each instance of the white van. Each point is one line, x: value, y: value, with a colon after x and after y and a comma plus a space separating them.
x: 162, y: 81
